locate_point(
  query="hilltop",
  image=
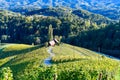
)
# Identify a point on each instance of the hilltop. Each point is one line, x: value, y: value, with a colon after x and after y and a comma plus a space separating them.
x: 27, y: 62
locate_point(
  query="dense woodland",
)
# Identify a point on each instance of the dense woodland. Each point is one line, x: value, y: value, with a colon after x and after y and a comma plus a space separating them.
x: 108, y: 8
x: 105, y: 38
x: 77, y: 27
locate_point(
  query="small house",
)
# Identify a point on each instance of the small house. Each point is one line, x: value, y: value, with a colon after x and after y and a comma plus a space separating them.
x: 53, y: 42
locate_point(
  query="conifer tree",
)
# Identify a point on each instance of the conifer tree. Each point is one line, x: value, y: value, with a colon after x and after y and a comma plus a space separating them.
x: 50, y: 33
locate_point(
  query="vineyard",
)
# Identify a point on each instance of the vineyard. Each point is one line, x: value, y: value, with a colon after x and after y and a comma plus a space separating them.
x: 25, y: 62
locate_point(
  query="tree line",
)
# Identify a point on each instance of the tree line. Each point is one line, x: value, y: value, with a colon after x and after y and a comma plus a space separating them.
x: 17, y: 28
x: 75, y: 27
x: 101, y: 39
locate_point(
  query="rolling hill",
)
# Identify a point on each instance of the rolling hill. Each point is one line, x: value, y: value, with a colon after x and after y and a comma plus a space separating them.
x: 76, y: 13
x: 32, y: 27
x: 37, y: 21
x: 108, y: 8
x: 69, y: 62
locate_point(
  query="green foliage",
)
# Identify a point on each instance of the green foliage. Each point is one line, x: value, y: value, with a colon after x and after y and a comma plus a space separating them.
x: 14, y: 49
x: 106, y: 40
x: 50, y: 73
x: 23, y: 61
x: 69, y: 62
x: 74, y: 74
x: 107, y: 8
x: 6, y: 74
x: 40, y: 73
x: 86, y: 66
x: 73, y: 63
x: 17, y: 28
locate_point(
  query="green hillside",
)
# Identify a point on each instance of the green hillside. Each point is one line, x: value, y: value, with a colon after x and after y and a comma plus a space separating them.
x: 32, y: 27
x: 69, y: 62
x: 107, y: 8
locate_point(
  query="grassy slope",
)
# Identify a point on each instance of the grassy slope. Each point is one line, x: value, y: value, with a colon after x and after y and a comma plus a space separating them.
x: 68, y: 50
x: 23, y: 58
x: 84, y: 58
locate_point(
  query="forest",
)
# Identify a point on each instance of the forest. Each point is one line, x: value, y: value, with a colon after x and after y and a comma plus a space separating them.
x: 76, y: 27
x: 82, y: 36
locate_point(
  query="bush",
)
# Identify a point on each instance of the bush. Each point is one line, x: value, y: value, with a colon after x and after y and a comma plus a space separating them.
x: 6, y: 74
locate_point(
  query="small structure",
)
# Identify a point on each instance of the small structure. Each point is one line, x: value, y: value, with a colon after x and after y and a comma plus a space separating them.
x: 53, y: 42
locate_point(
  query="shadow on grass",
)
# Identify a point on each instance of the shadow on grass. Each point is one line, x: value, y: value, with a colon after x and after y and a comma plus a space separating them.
x: 15, y: 52
x: 17, y: 68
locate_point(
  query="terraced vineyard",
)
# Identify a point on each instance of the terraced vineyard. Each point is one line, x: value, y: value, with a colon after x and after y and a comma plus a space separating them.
x: 80, y: 61
x: 70, y: 62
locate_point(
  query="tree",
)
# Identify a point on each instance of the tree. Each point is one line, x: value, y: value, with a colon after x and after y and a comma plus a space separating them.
x: 50, y: 33
x: 116, y: 44
x: 37, y: 40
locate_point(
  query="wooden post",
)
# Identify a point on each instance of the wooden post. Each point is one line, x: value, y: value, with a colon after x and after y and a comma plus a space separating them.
x: 100, y: 76
x: 55, y: 76
x: 106, y: 77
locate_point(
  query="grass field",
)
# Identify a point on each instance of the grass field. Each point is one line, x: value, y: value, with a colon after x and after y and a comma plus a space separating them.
x: 69, y: 62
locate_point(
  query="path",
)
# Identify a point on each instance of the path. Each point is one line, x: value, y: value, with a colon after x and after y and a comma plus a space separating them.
x: 80, y: 52
x: 47, y: 61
